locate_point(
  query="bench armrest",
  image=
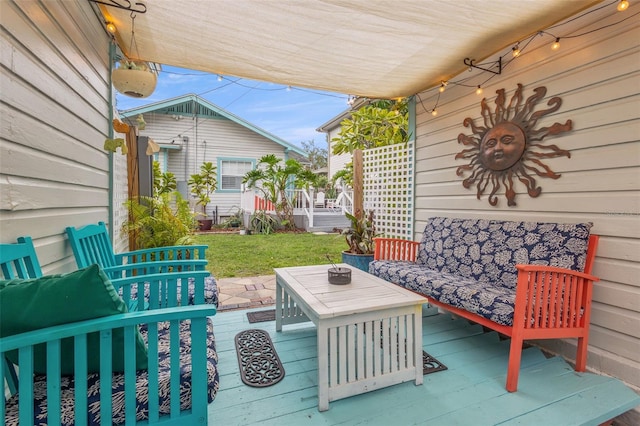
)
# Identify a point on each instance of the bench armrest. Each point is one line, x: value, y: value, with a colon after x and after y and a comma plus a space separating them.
x: 145, y: 268
x: 162, y: 253
x: 549, y: 297
x: 395, y: 249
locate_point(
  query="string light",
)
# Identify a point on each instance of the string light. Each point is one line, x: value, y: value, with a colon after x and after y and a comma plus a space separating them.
x: 219, y: 77
x: 111, y: 27
x: 515, y: 50
x: 288, y: 88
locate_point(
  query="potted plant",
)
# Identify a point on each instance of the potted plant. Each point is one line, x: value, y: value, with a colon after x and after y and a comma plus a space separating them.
x: 202, y: 185
x: 235, y: 220
x: 359, y: 237
x: 134, y: 78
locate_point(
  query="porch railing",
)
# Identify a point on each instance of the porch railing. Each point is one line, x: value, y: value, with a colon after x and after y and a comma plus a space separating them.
x: 304, y: 202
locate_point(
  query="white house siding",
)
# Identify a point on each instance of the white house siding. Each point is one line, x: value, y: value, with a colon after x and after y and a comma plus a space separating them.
x: 598, y: 78
x: 54, y: 119
x: 336, y: 162
x: 209, y: 140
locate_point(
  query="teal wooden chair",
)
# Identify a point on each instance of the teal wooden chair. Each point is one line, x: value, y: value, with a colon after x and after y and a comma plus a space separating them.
x: 91, y: 245
x: 17, y: 261
x: 106, y: 394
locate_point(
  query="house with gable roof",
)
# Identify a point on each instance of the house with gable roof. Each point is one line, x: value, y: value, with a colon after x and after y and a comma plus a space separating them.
x: 191, y: 130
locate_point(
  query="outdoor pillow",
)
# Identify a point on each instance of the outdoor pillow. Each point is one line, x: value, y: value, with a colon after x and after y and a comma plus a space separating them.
x: 32, y: 304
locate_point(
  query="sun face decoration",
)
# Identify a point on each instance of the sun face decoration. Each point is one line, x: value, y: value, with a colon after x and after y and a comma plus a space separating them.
x: 509, y: 147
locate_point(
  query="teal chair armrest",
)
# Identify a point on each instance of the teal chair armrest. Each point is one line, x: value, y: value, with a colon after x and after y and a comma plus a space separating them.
x: 162, y: 253
x: 146, y: 268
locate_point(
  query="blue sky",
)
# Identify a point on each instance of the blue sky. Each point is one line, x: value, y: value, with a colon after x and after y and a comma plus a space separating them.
x: 293, y: 115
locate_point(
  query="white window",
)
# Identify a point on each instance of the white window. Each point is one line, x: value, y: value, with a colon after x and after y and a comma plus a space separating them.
x: 232, y: 172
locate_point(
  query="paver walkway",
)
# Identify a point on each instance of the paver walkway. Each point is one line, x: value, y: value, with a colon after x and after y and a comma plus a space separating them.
x: 246, y: 292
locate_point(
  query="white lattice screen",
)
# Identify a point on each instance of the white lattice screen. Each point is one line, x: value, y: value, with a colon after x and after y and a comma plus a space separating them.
x: 388, y: 188
x: 120, y: 195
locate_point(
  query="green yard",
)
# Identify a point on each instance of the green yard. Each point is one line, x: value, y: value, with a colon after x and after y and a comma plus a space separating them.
x: 233, y: 255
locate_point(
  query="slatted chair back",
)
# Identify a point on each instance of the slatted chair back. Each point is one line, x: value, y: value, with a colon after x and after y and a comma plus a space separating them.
x: 91, y: 244
x: 17, y: 261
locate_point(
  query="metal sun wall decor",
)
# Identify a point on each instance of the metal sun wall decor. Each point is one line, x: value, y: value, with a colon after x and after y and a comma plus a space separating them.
x: 509, y: 147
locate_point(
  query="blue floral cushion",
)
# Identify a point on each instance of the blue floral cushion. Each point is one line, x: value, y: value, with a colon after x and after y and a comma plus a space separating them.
x: 488, y: 250
x: 482, y: 298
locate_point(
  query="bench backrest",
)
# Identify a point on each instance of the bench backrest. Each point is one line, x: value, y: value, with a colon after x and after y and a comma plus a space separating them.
x: 488, y: 250
x: 91, y: 244
x: 19, y: 260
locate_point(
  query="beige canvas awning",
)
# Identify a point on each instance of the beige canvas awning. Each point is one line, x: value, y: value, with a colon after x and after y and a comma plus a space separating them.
x: 372, y: 48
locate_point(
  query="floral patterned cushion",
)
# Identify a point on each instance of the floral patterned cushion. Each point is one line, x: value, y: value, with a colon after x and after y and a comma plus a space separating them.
x: 482, y: 298
x: 117, y: 385
x: 470, y: 263
x: 488, y: 250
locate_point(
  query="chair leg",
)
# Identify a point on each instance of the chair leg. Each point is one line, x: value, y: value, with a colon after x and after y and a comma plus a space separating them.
x: 581, y: 354
x: 513, y: 370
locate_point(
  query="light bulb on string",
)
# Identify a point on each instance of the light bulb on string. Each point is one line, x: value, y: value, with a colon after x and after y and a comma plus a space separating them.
x: 288, y: 88
x: 623, y: 5
x: 443, y: 85
x: 111, y: 27
x: 556, y: 44
x: 219, y: 77
x: 515, y: 50
x: 479, y: 90
x: 434, y: 112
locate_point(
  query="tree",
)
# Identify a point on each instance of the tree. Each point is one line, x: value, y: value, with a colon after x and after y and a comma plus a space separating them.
x: 317, y: 156
x: 273, y: 179
x: 203, y: 184
x: 380, y: 123
x: 163, y: 183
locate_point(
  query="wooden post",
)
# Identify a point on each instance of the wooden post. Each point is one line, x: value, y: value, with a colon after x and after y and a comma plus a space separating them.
x: 132, y: 176
x: 358, y: 184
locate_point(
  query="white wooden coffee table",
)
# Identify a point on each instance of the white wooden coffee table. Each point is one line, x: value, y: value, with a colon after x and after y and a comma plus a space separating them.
x: 369, y: 331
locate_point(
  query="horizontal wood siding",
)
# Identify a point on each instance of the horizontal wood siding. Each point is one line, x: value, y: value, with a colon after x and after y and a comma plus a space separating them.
x: 207, y: 140
x: 597, y: 76
x: 55, y: 87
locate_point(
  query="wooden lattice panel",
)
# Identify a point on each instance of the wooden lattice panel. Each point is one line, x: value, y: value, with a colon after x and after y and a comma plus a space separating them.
x: 388, y: 188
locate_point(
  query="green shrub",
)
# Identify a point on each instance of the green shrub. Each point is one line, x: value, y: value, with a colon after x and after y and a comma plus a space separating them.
x: 161, y: 221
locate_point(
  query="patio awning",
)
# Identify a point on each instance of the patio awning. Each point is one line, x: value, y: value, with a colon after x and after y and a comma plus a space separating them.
x: 372, y: 48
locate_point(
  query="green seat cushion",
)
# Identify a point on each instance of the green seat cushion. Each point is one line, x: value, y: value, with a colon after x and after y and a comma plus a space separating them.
x: 32, y: 304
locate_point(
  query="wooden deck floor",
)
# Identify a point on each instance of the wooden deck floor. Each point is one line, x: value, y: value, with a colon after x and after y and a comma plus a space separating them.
x: 470, y: 392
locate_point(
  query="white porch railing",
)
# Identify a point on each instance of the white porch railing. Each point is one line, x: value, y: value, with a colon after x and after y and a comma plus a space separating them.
x: 304, y: 202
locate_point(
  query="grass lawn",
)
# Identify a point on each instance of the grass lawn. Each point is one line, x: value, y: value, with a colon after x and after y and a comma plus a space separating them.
x: 234, y: 255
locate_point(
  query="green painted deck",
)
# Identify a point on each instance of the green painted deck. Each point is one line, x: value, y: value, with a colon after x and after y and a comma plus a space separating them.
x: 471, y: 391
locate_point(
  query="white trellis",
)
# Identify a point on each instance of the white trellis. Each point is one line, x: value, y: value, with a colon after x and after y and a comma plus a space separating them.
x: 388, y: 188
